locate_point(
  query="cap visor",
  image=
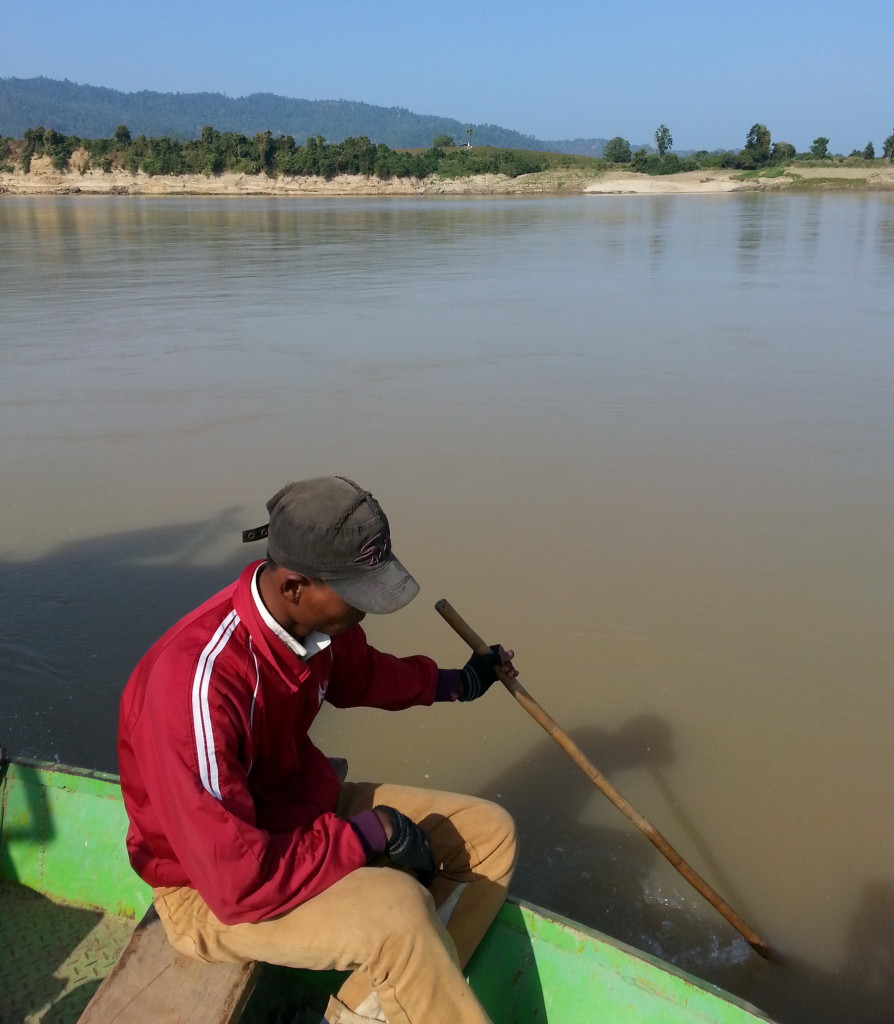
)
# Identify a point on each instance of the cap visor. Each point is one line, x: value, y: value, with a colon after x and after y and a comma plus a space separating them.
x: 380, y: 591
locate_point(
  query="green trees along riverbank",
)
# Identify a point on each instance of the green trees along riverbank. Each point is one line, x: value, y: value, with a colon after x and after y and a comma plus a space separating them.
x: 217, y: 152
x: 758, y: 152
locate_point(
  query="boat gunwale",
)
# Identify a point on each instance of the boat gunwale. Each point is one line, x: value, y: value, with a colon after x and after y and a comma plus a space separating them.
x: 517, y: 915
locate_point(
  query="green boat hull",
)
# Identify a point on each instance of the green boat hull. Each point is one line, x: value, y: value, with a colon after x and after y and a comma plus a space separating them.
x: 62, y: 836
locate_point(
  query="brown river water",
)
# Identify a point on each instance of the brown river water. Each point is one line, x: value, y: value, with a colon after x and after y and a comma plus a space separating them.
x: 648, y: 442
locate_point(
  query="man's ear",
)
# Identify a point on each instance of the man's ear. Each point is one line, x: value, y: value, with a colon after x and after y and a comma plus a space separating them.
x: 292, y: 586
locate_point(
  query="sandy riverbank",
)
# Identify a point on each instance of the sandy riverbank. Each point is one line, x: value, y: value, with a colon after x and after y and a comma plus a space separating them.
x: 706, y: 182
x: 43, y: 180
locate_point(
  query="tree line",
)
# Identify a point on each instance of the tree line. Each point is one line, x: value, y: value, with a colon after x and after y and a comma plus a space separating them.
x: 216, y: 152
x: 759, y: 151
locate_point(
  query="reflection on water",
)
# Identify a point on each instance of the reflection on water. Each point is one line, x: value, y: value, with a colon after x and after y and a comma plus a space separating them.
x: 646, y: 442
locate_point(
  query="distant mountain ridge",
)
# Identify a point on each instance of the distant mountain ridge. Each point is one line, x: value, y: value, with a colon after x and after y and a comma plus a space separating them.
x: 94, y: 112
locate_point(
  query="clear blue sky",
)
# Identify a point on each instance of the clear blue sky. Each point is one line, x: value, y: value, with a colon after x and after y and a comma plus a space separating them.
x: 564, y: 70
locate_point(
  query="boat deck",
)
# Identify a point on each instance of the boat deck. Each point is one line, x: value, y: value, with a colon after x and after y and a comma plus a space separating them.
x: 55, y: 956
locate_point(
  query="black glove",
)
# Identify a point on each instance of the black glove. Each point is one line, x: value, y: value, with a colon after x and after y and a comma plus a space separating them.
x: 409, y: 846
x: 479, y: 674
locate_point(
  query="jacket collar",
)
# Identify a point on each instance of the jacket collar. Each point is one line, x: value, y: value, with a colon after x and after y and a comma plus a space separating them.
x: 290, y: 667
x: 313, y: 643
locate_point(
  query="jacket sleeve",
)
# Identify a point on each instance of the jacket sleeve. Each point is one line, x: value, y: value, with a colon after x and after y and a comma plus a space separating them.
x: 203, y: 819
x: 361, y: 676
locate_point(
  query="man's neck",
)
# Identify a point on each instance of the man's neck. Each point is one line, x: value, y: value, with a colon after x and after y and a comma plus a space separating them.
x: 304, y: 645
x: 273, y: 602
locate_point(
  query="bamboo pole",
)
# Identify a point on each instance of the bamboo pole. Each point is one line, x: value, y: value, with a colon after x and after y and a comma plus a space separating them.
x: 455, y: 620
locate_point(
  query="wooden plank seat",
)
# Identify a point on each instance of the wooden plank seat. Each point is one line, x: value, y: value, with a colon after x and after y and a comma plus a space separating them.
x: 152, y: 982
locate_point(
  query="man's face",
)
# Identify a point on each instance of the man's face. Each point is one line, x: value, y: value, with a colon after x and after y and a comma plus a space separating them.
x: 322, y: 609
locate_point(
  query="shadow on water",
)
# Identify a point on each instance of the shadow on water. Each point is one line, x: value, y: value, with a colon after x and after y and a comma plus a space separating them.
x: 582, y: 859
x: 74, y: 621
x: 859, y: 991
x: 603, y: 876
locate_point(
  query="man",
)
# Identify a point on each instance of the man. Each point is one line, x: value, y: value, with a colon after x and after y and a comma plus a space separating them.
x: 254, y: 848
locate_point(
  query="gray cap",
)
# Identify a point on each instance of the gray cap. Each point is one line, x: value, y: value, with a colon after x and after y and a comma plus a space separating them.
x: 330, y: 529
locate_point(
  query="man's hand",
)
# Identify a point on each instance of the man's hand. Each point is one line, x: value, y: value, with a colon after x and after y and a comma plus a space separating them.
x: 408, y: 846
x: 480, y: 672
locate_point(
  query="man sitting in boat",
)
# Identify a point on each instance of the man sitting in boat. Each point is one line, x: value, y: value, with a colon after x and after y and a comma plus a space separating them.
x: 254, y: 848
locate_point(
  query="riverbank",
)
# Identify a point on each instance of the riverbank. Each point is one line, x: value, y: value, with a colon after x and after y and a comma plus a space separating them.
x: 44, y: 180
x: 798, y: 178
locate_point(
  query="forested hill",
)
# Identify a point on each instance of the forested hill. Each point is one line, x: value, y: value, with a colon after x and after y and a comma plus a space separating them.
x: 92, y: 112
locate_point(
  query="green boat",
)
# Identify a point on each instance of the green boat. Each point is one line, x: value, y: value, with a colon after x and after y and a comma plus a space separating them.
x: 69, y: 904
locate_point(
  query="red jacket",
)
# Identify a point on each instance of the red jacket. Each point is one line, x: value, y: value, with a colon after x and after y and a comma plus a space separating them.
x: 224, y: 790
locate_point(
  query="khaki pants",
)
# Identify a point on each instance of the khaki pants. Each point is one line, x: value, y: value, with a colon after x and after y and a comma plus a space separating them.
x: 377, y: 922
